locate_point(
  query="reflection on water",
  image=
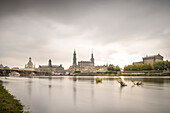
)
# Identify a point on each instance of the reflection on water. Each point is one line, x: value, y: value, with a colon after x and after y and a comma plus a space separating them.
x: 82, y: 94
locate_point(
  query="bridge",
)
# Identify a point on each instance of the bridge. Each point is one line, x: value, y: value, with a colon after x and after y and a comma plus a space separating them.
x: 23, y: 72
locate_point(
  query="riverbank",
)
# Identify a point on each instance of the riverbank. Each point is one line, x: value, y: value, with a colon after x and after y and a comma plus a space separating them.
x: 148, y: 74
x: 127, y: 73
x: 8, y: 103
x: 123, y: 74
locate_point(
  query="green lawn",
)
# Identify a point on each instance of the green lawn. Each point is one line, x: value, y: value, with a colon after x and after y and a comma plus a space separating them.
x: 8, y: 103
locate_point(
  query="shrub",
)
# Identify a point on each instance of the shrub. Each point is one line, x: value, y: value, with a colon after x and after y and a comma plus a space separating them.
x: 98, y: 80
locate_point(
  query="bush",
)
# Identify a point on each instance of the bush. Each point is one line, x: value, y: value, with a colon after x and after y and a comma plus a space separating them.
x: 77, y: 71
x: 161, y: 65
x: 110, y: 72
x: 98, y: 80
x: 138, y: 67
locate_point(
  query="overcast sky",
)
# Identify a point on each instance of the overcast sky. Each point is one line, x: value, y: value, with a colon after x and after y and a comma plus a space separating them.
x: 118, y: 32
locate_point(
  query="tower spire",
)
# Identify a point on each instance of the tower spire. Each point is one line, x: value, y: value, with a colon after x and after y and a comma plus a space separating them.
x: 29, y: 59
x: 74, y: 59
x: 92, y: 59
x: 92, y: 55
x: 49, y: 63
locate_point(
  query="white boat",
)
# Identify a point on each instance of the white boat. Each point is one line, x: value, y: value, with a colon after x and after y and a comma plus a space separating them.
x: 14, y: 74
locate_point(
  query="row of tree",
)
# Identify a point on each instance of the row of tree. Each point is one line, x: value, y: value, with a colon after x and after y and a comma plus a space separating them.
x: 112, y: 69
x: 161, y: 65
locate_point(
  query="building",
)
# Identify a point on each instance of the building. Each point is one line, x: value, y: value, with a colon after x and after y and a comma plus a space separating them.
x: 4, y: 67
x: 1, y: 66
x: 29, y: 65
x: 101, y: 69
x: 86, y: 64
x: 15, y: 68
x: 74, y: 60
x: 150, y: 59
x: 51, y: 68
x: 83, y: 66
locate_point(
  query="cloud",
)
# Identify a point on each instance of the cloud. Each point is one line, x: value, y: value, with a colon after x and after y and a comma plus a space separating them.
x: 114, y: 30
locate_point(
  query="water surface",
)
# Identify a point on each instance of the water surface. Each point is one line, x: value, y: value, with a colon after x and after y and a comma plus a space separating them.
x: 83, y: 95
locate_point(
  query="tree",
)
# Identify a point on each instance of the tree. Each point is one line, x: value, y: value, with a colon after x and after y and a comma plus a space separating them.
x: 150, y: 67
x: 159, y: 65
x: 138, y: 67
x: 167, y: 65
x: 111, y: 67
x: 117, y: 68
x: 128, y: 68
x: 134, y: 67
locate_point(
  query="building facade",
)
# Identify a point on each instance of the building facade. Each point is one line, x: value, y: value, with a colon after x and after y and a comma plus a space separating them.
x: 1, y: 66
x: 51, y: 68
x: 101, y: 69
x: 29, y: 65
x: 83, y: 66
x: 150, y: 59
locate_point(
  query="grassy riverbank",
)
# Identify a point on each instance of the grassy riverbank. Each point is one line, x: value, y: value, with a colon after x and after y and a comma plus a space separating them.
x: 8, y: 103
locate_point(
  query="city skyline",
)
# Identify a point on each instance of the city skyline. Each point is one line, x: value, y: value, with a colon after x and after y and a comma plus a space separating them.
x: 37, y: 66
x: 118, y: 32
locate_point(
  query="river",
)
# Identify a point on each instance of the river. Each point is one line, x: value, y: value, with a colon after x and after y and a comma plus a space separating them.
x: 81, y: 94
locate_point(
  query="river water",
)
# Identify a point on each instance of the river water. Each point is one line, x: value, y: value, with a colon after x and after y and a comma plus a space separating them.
x: 84, y: 95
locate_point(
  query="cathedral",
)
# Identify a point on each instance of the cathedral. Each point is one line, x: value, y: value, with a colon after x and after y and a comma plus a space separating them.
x: 83, y: 66
x: 29, y: 65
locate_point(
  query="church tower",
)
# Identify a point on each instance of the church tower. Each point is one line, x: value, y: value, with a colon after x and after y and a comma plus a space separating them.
x: 92, y: 59
x: 29, y: 64
x: 49, y: 63
x: 29, y: 59
x: 74, y: 60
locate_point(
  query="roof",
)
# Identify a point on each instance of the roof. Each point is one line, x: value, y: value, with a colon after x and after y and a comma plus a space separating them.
x: 84, y: 62
x: 153, y: 56
x: 138, y: 62
x: 1, y: 66
x: 46, y: 66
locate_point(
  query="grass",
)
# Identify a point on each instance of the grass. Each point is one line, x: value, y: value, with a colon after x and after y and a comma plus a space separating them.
x: 8, y: 103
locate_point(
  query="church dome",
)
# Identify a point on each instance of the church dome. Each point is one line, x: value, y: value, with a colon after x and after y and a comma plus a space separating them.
x: 29, y: 64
